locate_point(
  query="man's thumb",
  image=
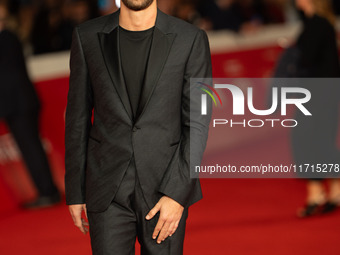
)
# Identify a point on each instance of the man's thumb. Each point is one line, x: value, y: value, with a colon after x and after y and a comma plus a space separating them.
x: 153, y: 212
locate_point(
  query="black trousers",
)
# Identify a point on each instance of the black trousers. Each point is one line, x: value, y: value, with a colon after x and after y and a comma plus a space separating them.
x: 25, y: 130
x: 114, y: 231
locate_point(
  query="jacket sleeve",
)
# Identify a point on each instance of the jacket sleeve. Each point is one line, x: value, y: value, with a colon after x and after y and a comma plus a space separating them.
x: 77, y: 124
x: 178, y: 182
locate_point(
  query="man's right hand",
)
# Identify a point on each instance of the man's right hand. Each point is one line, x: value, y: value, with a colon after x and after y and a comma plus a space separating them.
x: 76, y: 213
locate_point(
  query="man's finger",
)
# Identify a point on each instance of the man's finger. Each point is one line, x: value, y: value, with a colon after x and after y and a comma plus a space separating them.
x: 85, y: 223
x: 153, y: 212
x: 81, y: 228
x: 76, y: 213
x: 174, y: 228
x: 158, y: 228
x: 84, y: 208
x: 171, y: 229
x: 164, y: 232
x: 86, y: 229
x: 78, y: 221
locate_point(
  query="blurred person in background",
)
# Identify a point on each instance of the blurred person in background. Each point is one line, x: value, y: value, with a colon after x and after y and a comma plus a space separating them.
x: 94, y: 8
x: 48, y: 28
x: 25, y: 14
x: 253, y: 15
x: 19, y: 107
x: 78, y: 11
x: 182, y: 9
x: 22, y: 11
x: 314, y: 139
x: 54, y: 22
x: 167, y: 6
x: 336, y: 5
x: 290, y: 14
x: 74, y: 13
x: 107, y: 6
x: 186, y: 10
x: 240, y: 15
x: 220, y: 14
x: 256, y: 13
x: 273, y: 11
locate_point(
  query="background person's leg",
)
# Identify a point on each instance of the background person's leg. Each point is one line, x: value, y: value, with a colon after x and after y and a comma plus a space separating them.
x: 25, y: 130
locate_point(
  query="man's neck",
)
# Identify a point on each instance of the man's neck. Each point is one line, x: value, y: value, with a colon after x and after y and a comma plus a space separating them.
x: 138, y: 20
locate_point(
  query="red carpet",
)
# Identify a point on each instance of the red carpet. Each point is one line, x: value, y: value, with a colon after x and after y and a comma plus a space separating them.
x: 237, y: 217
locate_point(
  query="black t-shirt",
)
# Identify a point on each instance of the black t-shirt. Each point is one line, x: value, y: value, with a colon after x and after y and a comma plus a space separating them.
x: 134, y: 52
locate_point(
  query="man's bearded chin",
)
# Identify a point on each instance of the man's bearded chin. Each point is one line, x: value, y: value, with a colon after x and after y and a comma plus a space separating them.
x: 137, y: 5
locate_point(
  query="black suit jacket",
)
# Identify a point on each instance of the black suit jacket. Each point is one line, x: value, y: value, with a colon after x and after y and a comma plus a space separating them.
x: 17, y: 94
x: 98, y: 153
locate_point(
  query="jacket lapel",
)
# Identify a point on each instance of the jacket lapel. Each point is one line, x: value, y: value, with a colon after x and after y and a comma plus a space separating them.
x: 160, y: 48
x: 159, y: 52
x: 109, y: 41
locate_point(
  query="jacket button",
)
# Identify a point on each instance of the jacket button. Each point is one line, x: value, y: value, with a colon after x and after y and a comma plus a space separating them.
x: 134, y: 129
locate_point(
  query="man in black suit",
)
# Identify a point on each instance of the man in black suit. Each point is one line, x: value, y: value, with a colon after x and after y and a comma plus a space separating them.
x: 129, y: 169
x: 19, y: 107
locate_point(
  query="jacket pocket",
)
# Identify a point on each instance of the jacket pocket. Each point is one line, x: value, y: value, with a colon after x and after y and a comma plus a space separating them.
x: 174, y: 144
x: 94, y: 139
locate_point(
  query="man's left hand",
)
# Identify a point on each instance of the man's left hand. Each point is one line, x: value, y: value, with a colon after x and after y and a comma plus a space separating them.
x: 170, y: 215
